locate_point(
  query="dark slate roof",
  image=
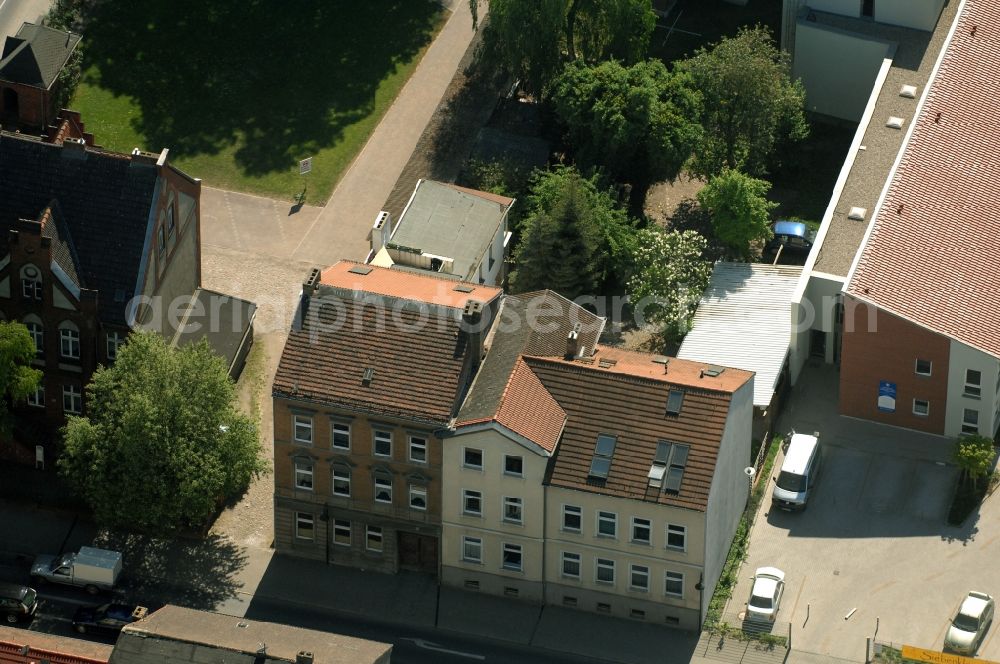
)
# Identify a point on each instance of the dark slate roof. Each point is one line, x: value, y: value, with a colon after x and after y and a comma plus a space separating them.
x: 35, y: 56
x: 63, y: 251
x: 554, y: 317
x: 105, y: 201
x: 417, y: 357
x: 221, y: 319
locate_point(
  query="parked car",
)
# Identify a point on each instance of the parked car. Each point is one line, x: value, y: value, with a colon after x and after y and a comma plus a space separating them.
x: 798, y: 474
x: 768, y: 586
x: 107, y: 618
x: 17, y: 602
x: 970, y: 625
x: 795, y: 236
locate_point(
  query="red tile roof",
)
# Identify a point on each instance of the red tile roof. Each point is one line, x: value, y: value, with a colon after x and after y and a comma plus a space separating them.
x: 932, y: 251
x: 20, y: 646
x: 667, y: 369
x: 406, y: 285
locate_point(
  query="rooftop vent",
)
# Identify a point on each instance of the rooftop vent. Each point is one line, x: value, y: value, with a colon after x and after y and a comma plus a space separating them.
x: 661, y: 359
x: 712, y: 371
x: 674, y: 401
x: 857, y: 213
x: 894, y: 123
x: 304, y: 657
x: 600, y: 465
x: 606, y: 363
x: 464, y: 288
x: 908, y: 91
x: 360, y: 269
x: 573, y: 342
x: 312, y: 281
x: 369, y: 374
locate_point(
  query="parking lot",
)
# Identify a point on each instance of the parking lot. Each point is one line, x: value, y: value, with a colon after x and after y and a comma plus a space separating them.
x: 874, y: 538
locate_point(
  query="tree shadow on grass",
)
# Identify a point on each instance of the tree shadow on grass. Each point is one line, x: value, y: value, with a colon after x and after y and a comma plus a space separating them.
x: 284, y: 78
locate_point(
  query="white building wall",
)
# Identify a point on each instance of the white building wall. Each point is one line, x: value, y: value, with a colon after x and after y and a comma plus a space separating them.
x: 814, y: 310
x: 730, y: 488
x: 961, y: 358
x: 919, y: 14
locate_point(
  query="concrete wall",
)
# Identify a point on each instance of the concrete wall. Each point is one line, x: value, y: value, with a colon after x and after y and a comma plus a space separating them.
x: 816, y: 310
x: 728, y: 495
x: 963, y: 357
x: 843, y: 7
x: 837, y: 68
x: 491, y: 528
x: 919, y: 14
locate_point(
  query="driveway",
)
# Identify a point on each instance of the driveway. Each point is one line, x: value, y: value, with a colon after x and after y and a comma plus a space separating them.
x: 874, y: 539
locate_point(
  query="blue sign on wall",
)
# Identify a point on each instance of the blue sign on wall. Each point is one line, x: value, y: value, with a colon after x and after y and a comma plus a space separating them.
x: 886, y: 396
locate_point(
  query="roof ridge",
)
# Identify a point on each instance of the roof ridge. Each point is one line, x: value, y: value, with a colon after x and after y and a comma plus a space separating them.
x: 631, y: 377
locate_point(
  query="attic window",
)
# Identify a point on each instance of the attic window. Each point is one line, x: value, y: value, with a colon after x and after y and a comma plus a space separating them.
x: 369, y: 374
x: 668, y: 466
x: 603, y: 451
x: 674, y: 401
x: 360, y: 269
x: 713, y: 370
x: 464, y: 288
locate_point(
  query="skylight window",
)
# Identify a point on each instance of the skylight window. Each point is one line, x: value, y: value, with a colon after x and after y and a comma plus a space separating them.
x: 603, y: 451
x: 360, y: 269
x: 668, y: 466
x: 674, y: 401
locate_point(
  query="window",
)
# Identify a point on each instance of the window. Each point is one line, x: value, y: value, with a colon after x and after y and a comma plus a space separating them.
x: 512, y: 557
x: 571, y: 565
x: 513, y: 510
x: 603, y: 607
x: 511, y: 591
x: 383, y: 443
x: 600, y: 464
x: 31, y: 289
x: 973, y: 383
x: 383, y: 488
x: 572, y: 518
x: 471, y: 584
x: 72, y: 399
x: 472, y: 458
x: 472, y: 549
x: 37, y: 398
x: 304, y: 474
x: 639, y: 578
x: 342, y: 481
x: 341, y: 532
x: 674, y: 584
x: 676, y: 537
x: 668, y: 466
x: 418, y: 449
x: 569, y: 601
x: 170, y: 219
x: 675, y: 399
x: 304, y: 526
x: 922, y: 367
x: 970, y: 421
x: 638, y: 614
x: 921, y: 407
x: 605, y: 571
x: 513, y: 465
x: 641, y: 530
x: 373, y: 539
x: 35, y: 330
x: 69, y: 343
x: 113, y: 341
x: 302, y: 429
x: 418, y: 497
x: 472, y: 502
x: 607, y: 524
x: 161, y: 241
x: 341, y: 435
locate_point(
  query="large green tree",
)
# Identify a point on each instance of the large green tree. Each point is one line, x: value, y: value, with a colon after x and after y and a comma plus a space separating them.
x: 535, y: 37
x: 974, y: 454
x: 574, y: 237
x: 669, y: 276
x: 17, y: 378
x: 750, y: 103
x: 739, y: 209
x: 640, y: 123
x: 163, y: 442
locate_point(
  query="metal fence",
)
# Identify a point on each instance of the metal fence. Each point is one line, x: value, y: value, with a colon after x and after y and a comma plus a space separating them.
x: 738, y: 641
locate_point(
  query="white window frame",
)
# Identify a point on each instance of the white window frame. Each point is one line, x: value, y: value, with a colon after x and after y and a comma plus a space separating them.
x: 69, y: 343
x: 339, y: 526
x: 472, y: 493
x: 916, y: 367
x: 973, y: 390
x: 572, y: 510
x: 37, y: 332
x: 376, y: 440
x: 418, y: 446
x: 573, y: 559
x: 512, y: 548
x: 75, y: 395
x: 31, y: 289
x: 641, y: 570
x: 112, y: 342
x: 927, y: 407
x: 476, y: 543
x: 343, y: 429
x: 970, y: 427
x: 379, y: 534
x: 306, y: 423
x: 382, y: 481
x: 648, y: 525
x: 303, y: 469
x: 343, y: 478
x: 513, y: 501
x: 300, y: 518
x: 465, y: 458
x: 598, y: 566
x: 603, y: 517
x: 418, y: 490
x: 677, y: 529
x: 676, y: 577
x: 37, y: 398
x: 510, y: 472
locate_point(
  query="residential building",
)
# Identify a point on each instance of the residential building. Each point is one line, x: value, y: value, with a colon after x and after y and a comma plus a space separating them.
x: 22, y: 646
x: 374, y: 369
x: 29, y: 73
x: 450, y: 230
x: 178, y: 635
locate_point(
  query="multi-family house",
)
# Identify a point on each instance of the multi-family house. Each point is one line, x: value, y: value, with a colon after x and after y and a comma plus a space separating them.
x: 373, y: 370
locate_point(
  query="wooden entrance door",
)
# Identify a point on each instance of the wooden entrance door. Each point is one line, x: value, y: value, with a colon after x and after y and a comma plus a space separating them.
x: 418, y: 552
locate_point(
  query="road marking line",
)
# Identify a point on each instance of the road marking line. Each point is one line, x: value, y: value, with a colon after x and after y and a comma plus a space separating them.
x: 427, y: 645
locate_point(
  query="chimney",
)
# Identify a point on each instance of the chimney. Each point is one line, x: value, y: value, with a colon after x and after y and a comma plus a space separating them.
x: 573, y: 343
x: 472, y: 330
x: 309, y: 288
x: 380, y: 231
x: 74, y: 148
x: 304, y: 657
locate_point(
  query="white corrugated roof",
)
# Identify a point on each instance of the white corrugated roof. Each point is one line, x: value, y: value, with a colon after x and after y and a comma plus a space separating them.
x: 744, y: 321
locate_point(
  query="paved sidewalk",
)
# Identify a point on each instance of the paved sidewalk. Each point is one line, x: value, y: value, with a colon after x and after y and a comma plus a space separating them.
x: 344, y: 223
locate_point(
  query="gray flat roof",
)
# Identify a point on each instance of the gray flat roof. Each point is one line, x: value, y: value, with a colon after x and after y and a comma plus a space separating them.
x: 453, y: 222
x: 915, y: 56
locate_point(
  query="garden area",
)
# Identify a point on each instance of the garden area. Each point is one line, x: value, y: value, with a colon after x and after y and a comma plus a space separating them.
x: 241, y: 91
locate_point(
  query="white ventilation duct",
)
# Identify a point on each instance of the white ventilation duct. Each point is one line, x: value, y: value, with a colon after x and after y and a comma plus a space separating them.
x: 894, y: 123
x: 857, y: 213
x: 908, y: 91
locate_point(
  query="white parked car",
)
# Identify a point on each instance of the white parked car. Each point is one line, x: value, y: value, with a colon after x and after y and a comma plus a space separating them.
x: 970, y: 625
x: 768, y: 585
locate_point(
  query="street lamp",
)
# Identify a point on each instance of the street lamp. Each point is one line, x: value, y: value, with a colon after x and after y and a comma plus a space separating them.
x: 749, y: 471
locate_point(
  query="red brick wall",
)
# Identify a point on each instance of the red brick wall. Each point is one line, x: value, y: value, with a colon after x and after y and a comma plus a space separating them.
x: 33, y: 104
x: 889, y: 352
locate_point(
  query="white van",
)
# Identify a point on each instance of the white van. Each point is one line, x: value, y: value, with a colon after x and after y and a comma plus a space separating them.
x: 798, y: 472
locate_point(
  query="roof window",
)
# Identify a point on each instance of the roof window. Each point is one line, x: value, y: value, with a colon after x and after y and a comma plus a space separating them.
x: 674, y: 401
x: 668, y: 466
x: 603, y: 451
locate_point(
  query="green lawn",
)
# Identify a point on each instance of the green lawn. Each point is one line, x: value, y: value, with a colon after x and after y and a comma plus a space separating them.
x: 241, y: 90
